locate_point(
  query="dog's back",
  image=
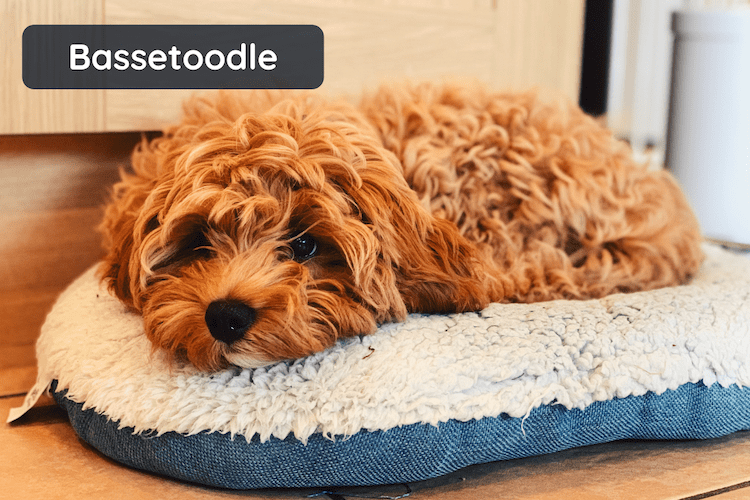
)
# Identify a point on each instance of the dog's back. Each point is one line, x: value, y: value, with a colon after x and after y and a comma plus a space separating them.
x: 545, y: 189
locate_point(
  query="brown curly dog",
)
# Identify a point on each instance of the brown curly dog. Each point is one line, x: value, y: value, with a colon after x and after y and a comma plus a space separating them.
x: 264, y: 228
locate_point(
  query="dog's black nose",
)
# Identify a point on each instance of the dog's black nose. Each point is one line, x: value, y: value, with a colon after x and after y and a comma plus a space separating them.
x: 228, y: 320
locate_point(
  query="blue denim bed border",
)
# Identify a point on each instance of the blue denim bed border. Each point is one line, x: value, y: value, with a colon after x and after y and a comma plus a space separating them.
x: 412, y: 452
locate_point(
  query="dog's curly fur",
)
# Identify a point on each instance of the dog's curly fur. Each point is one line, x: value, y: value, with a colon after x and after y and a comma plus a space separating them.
x: 326, y: 219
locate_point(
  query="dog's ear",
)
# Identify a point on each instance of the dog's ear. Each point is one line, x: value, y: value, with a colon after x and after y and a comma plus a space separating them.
x: 118, y: 228
x: 434, y: 268
x: 122, y: 215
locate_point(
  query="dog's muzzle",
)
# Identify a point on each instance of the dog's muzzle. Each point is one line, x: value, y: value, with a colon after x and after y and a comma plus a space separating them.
x: 228, y: 320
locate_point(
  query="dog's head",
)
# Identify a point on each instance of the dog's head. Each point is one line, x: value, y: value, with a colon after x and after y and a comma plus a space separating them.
x: 267, y: 237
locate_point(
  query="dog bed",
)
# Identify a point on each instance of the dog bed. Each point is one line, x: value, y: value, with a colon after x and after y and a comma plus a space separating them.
x: 415, y: 400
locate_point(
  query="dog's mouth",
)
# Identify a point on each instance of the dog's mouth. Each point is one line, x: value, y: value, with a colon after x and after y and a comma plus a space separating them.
x: 243, y: 360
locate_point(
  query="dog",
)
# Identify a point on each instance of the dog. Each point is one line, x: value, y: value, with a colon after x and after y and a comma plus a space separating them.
x: 266, y: 227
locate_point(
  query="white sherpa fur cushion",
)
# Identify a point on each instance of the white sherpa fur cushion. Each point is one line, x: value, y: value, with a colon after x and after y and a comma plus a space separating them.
x: 509, y: 358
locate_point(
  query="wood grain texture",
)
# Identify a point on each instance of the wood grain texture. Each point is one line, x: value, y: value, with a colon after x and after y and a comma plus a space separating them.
x: 505, y: 42
x: 538, y: 44
x: 26, y: 110
x: 52, y: 188
x: 16, y: 381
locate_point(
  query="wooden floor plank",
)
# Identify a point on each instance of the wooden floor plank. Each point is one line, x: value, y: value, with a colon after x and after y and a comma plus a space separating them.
x: 17, y: 380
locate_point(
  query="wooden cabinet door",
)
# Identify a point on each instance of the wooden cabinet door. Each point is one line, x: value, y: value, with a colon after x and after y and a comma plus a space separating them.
x: 26, y: 111
x: 507, y: 43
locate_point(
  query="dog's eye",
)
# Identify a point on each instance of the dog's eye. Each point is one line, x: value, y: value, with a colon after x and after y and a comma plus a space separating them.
x: 198, y: 243
x: 304, y: 247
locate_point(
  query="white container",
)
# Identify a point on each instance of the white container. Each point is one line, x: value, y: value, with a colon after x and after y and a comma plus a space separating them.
x: 708, y: 139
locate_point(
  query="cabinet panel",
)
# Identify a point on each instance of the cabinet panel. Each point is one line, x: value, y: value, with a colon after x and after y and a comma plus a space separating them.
x: 508, y: 43
x: 52, y: 188
x: 504, y: 42
x: 41, y: 111
x: 538, y: 44
x: 365, y: 43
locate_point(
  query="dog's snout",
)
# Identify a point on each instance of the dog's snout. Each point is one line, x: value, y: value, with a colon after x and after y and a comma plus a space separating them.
x: 228, y: 320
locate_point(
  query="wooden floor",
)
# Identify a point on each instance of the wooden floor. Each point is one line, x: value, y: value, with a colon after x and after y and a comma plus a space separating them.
x: 51, y: 190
